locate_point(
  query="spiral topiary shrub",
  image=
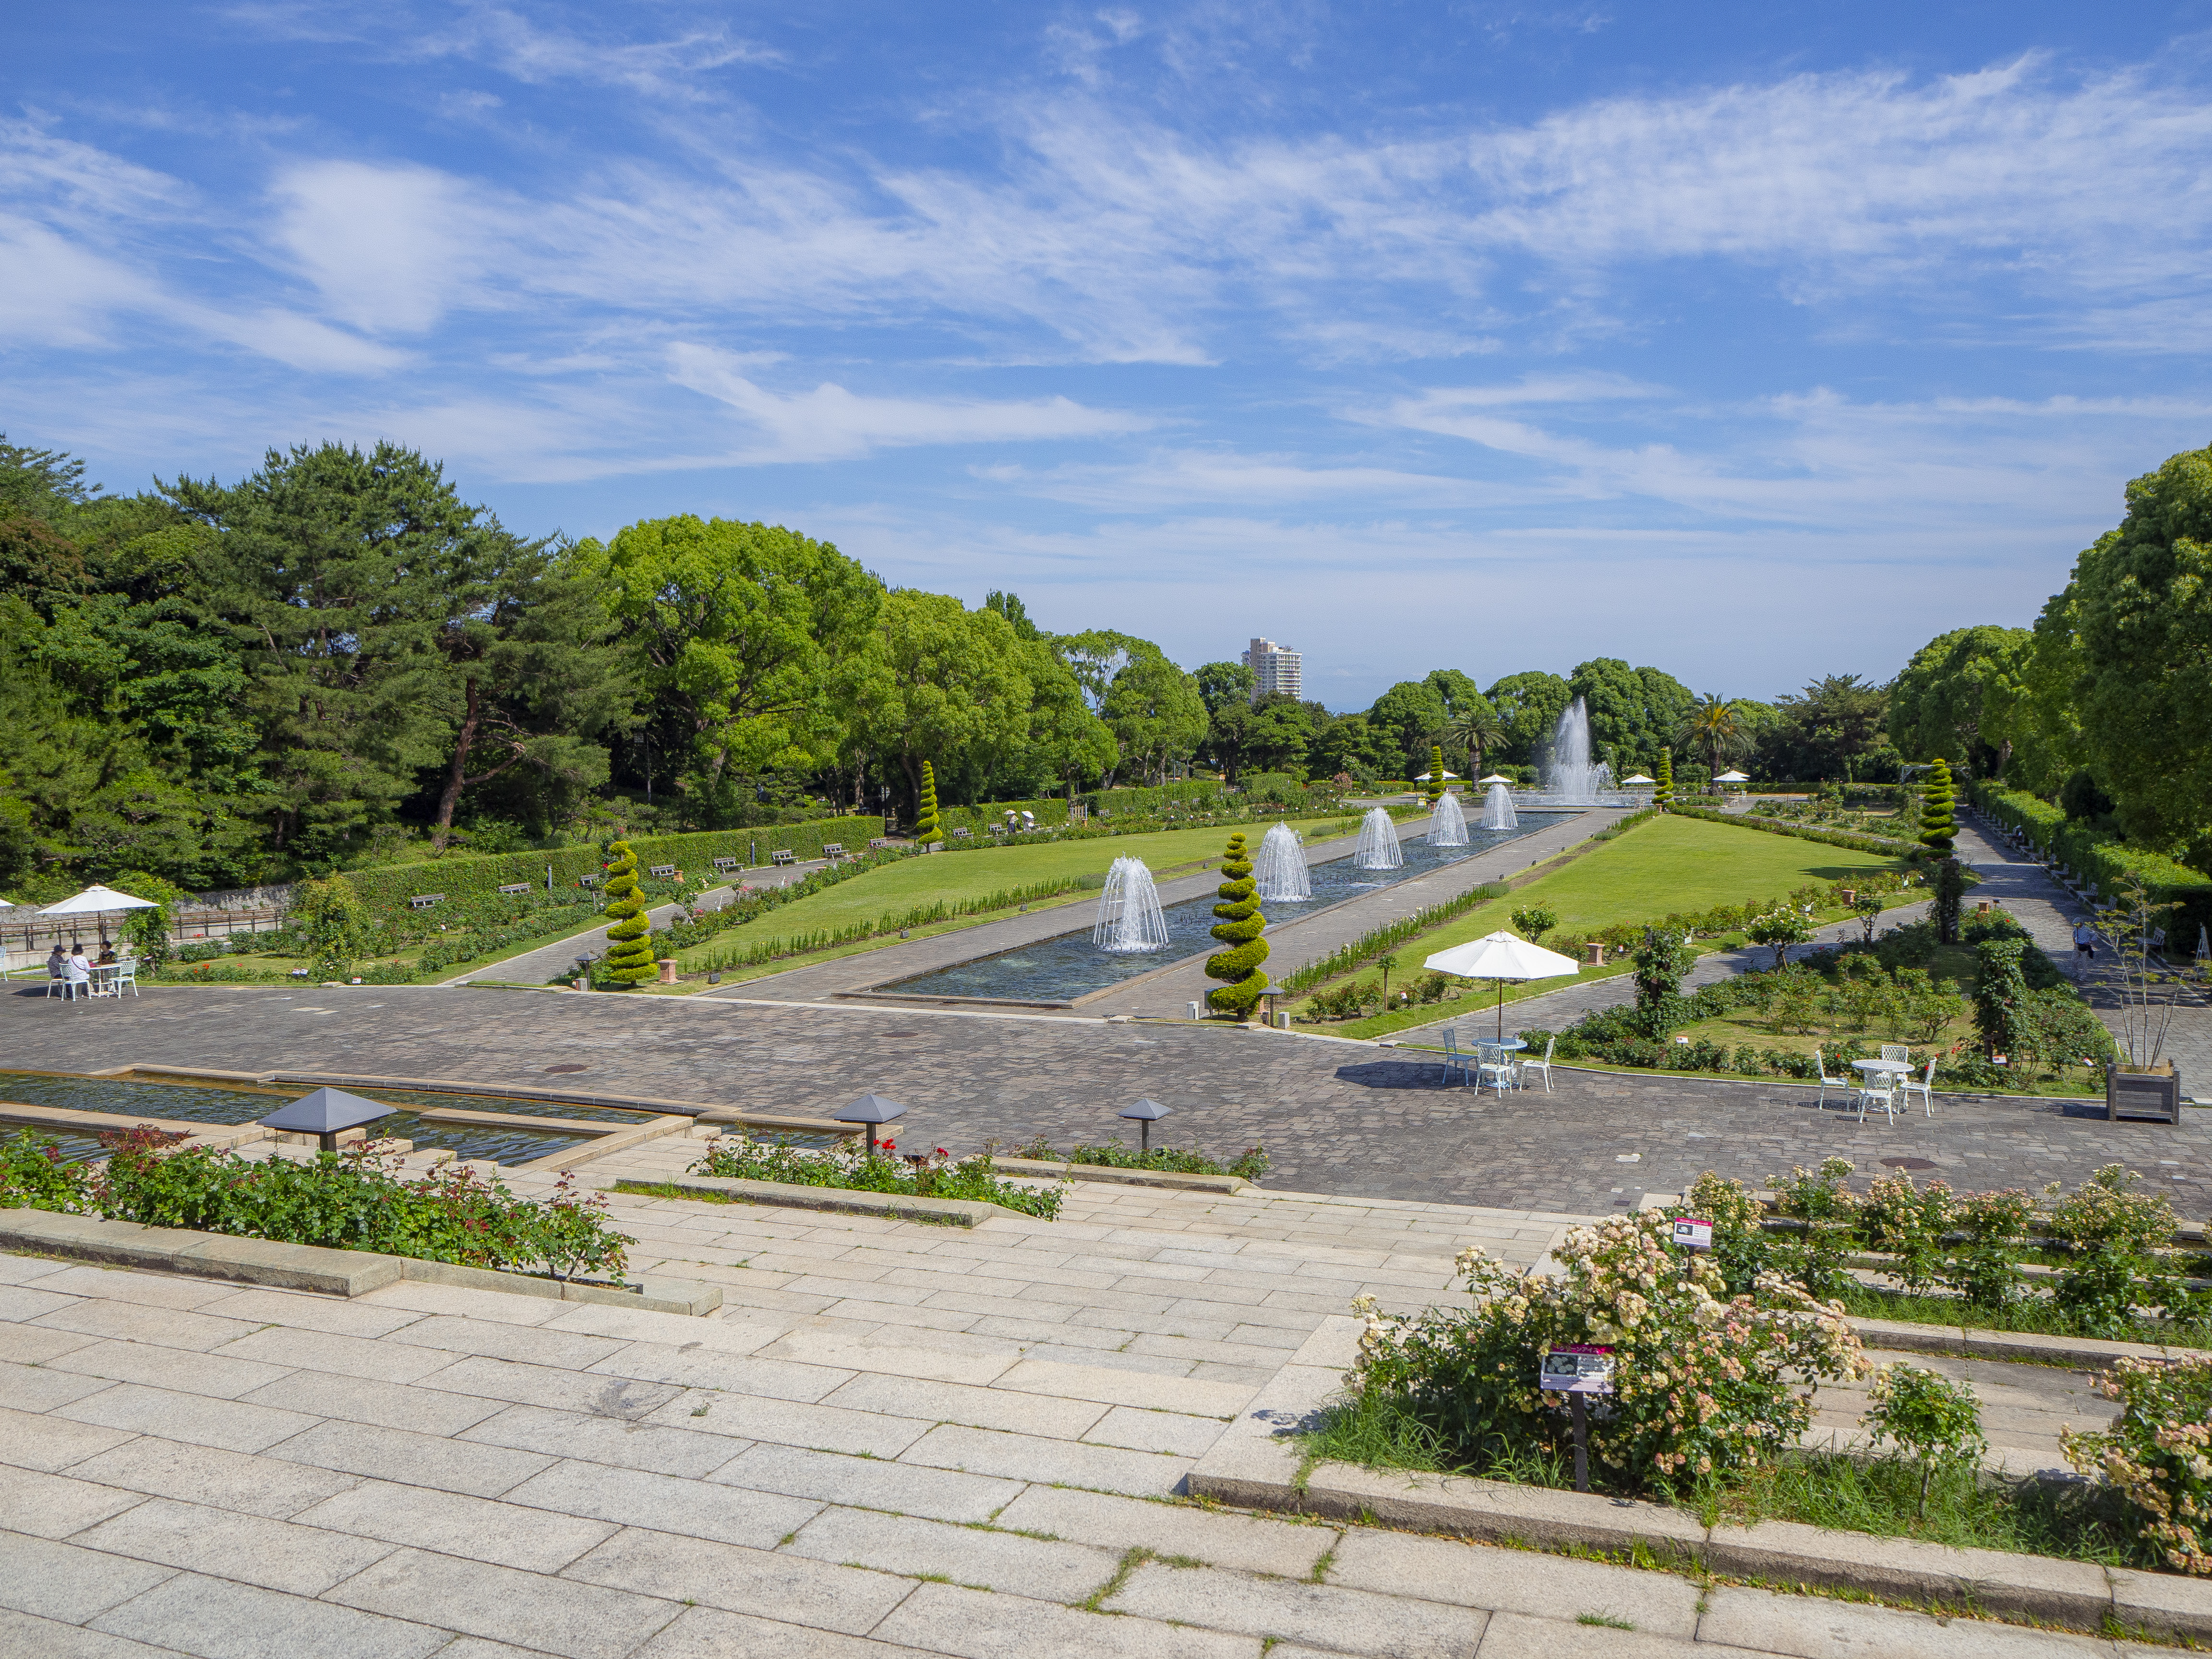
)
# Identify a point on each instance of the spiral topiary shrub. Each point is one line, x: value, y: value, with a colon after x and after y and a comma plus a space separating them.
x: 629, y: 941
x: 1239, y: 929
x: 1939, y: 825
x: 1436, y: 773
x: 1662, y: 796
x: 927, y: 827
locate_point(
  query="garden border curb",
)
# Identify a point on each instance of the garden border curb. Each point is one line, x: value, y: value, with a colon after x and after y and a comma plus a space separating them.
x: 308, y: 1266
x: 1053, y: 1169
x: 845, y: 1201
x: 1256, y: 1464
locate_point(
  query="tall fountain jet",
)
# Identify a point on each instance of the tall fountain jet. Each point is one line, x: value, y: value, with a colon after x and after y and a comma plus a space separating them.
x: 1280, y: 872
x: 1129, y: 916
x: 1569, y: 775
x: 1447, y: 823
x: 1498, y: 809
x: 1378, y: 842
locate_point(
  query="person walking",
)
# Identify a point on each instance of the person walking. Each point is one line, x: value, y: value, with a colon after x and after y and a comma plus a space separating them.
x: 2085, y: 948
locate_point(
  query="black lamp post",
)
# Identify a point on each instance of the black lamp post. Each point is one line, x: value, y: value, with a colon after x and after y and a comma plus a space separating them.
x: 326, y: 1114
x: 1146, y: 1113
x: 871, y: 1112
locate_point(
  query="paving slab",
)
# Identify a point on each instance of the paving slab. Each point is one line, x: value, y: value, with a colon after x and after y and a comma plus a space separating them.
x: 1057, y: 1462
x: 869, y: 1483
x: 278, y: 1555
x: 1323, y: 1615
x: 789, y: 1588
x: 231, y: 1424
x: 693, y: 1508
x: 595, y: 1439
x: 1512, y: 1581
x: 748, y: 1417
x: 420, y: 1460
x: 969, y: 1624
x: 32, y: 1441
x: 48, y: 1638
x: 976, y: 1557
x: 1815, y: 1627
x: 207, y: 1474
x: 547, y: 1615
x: 66, y: 1581
x: 223, y: 1620
x: 711, y: 1634
x: 1286, y: 1549
x: 477, y: 1529
x: 387, y: 1404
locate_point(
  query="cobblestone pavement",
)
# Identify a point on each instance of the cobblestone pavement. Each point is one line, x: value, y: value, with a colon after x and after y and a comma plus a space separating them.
x: 893, y: 1440
x: 1335, y: 1116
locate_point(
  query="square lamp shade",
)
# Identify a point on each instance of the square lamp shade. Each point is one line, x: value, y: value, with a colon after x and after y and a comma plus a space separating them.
x: 326, y: 1113
x: 871, y: 1110
x: 1146, y: 1113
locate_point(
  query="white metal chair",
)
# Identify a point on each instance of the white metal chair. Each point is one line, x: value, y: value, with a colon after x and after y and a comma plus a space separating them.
x: 1882, y: 1094
x: 126, y: 973
x: 1543, y: 1065
x: 1454, y: 1056
x: 1895, y: 1051
x: 1493, y: 1066
x: 1820, y: 1064
x: 1925, y: 1088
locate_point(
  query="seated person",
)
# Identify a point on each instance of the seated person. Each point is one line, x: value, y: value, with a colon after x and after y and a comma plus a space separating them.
x: 77, y: 968
x: 57, y: 963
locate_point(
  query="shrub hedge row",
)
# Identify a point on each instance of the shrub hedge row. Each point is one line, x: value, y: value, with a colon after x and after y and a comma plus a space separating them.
x: 1844, y: 838
x: 477, y: 875
x: 2102, y: 857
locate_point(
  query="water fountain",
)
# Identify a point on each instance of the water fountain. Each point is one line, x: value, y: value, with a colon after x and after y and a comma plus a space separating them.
x: 1498, y: 811
x: 1447, y: 823
x: 1378, y: 842
x: 1570, y: 777
x: 1129, y: 916
x: 1280, y: 871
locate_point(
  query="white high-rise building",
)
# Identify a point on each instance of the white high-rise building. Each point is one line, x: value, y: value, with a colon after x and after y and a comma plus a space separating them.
x: 1274, y: 669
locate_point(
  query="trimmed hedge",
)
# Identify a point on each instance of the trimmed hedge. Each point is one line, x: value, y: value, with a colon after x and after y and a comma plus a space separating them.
x: 1844, y: 838
x: 1151, y: 803
x: 2102, y: 857
x: 481, y: 875
x: 1046, y: 809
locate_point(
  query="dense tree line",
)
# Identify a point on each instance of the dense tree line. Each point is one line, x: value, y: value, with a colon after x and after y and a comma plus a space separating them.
x: 338, y: 660
x: 2105, y: 705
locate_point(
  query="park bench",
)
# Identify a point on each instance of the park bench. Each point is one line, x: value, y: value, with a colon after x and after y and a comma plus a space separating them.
x: 516, y: 887
x: 782, y: 855
x: 833, y: 850
x: 725, y: 863
x: 880, y: 840
x: 591, y: 881
x: 963, y: 830
x: 424, y: 901
x: 660, y: 869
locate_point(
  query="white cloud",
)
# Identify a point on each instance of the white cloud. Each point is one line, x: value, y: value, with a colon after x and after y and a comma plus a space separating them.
x: 389, y: 247
x: 830, y: 423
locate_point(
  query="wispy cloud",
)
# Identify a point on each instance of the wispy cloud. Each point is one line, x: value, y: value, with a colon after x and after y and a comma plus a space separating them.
x: 831, y: 423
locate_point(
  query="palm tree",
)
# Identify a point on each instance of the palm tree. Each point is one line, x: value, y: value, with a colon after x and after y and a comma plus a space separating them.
x: 1472, y: 731
x: 1712, y: 725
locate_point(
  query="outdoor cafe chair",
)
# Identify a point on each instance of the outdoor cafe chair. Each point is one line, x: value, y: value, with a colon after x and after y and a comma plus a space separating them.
x: 1494, y: 1065
x: 126, y: 973
x: 1883, y: 1094
x: 1895, y: 1051
x: 1457, y: 1056
x: 1925, y: 1088
x: 1820, y: 1064
x: 1543, y: 1065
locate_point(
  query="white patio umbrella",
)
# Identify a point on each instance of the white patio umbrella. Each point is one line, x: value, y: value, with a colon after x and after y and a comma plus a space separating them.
x: 1733, y: 776
x: 1637, y: 777
x: 1423, y: 777
x: 1501, y: 957
x: 1496, y: 777
x: 98, y: 901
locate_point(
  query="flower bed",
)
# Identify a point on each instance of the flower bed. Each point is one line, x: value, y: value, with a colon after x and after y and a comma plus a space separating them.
x: 875, y: 1170
x: 345, y: 1200
x: 1251, y: 1164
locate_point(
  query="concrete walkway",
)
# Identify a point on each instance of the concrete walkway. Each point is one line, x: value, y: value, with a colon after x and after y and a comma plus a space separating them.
x: 893, y: 1441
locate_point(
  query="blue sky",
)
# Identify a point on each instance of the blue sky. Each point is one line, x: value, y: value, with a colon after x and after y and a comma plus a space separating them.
x: 1753, y: 342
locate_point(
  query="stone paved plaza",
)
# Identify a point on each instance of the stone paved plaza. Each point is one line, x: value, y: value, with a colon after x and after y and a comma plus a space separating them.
x: 892, y: 1440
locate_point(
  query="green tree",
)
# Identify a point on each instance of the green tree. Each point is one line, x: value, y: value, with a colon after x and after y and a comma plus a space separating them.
x: 1712, y: 725
x: 935, y: 679
x: 336, y: 922
x: 1352, y: 747
x: 1453, y: 688
x: 2135, y: 621
x: 1409, y: 717
x: 1942, y: 703
x: 1016, y: 613
x: 341, y: 572
x: 1528, y: 706
x: 1473, y: 729
x: 629, y: 958
x: 1938, y: 803
x: 1632, y: 711
x: 1239, y: 929
x: 1224, y: 684
x: 927, y: 827
x: 1154, y: 711
x: 1950, y: 899
x: 148, y: 930
x: 1533, y: 921
x: 1835, y: 728
x: 1660, y: 961
x: 737, y: 632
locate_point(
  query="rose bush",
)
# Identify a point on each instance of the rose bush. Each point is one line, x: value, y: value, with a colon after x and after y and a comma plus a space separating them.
x: 1703, y: 1382
x: 2158, y: 1454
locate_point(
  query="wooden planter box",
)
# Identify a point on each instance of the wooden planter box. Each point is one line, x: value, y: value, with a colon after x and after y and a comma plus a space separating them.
x: 2152, y: 1094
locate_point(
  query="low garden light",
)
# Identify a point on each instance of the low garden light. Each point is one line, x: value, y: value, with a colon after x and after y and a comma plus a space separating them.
x: 326, y: 1114
x: 871, y: 1112
x: 1145, y: 1112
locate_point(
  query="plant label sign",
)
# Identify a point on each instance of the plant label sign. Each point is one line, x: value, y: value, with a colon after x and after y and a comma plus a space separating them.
x: 1577, y: 1368
x: 1693, y: 1233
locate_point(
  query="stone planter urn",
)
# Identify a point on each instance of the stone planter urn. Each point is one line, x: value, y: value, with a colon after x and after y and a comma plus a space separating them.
x: 2150, y: 1094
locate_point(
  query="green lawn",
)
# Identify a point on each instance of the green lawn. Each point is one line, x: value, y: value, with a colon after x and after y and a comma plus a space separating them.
x: 1662, y: 866
x: 898, y: 888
